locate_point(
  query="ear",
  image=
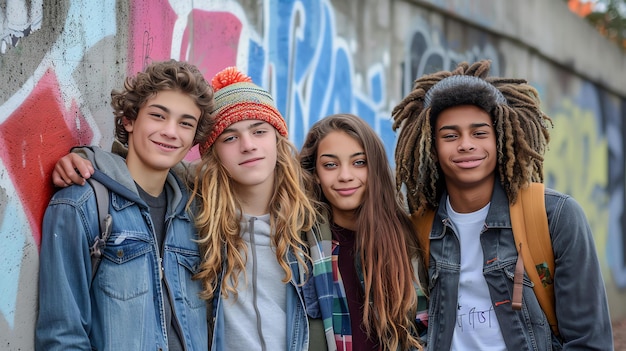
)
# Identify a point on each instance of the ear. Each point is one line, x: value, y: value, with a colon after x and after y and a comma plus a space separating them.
x: 128, y: 124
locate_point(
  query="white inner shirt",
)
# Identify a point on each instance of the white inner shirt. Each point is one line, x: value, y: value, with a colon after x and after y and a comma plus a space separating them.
x: 477, y: 327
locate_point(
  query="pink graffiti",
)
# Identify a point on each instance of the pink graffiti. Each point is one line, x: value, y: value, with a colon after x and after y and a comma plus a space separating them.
x: 151, y: 24
x: 33, y: 138
x: 210, y: 40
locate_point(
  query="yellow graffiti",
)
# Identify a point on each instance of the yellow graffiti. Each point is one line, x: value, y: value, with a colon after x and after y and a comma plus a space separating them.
x: 577, y: 162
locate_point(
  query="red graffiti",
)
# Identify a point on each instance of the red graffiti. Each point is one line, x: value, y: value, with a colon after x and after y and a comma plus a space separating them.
x: 210, y: 39
x: 33, y: 138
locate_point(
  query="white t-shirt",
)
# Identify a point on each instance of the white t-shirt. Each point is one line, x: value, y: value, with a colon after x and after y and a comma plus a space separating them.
x: 477, y: 327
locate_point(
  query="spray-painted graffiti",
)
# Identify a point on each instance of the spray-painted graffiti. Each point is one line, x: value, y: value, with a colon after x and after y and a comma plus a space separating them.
x: 296, y: 55
x: 19, y: 19
x: 59, y: 61
x: 577, y: 146
x: 427, y: 51
x: 587, y: 141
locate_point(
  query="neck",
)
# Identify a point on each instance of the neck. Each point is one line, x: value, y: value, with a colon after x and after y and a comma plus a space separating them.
x: 464, y: 200
x: 255, y: 201
x: 345, y: 219
x: 150, y: 180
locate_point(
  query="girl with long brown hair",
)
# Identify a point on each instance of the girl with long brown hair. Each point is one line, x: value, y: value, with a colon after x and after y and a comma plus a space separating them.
x: 375, y: 255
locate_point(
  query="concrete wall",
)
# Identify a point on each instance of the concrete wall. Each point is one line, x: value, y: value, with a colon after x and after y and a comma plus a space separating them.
x: 60, y: 59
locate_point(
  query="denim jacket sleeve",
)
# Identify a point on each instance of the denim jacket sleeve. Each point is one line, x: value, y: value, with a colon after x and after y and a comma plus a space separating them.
x: 581, y: 302
x: 64, y: 316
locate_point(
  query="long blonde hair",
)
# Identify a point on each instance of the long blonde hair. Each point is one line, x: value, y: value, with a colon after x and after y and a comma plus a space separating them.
x: 292, y: 212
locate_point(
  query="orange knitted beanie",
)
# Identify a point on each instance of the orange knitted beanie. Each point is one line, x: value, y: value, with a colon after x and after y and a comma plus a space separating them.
x: 237, y: 99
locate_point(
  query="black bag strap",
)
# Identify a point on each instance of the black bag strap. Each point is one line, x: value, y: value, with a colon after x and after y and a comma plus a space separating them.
x: 105, y: 224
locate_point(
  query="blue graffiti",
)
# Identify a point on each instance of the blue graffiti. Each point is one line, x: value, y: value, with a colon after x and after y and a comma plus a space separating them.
x: 309, y: 70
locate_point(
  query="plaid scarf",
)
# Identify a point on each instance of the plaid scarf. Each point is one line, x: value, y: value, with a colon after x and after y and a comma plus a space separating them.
x: 331, y: 294
x: 320, y: 239
x: 341, y: 314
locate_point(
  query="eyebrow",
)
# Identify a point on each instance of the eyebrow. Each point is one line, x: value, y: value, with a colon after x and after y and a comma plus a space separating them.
x: 456, y: 127
x: 360, y: 153
x: 251, y: 126
x: 167, y: 110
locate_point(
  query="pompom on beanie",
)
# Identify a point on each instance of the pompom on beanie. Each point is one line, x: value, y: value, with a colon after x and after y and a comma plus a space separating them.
x: 237, y: 99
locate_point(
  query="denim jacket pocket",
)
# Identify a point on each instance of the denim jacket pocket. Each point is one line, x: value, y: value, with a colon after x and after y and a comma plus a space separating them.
x: 188, y: 266
x: 125, y: 272
x: 530, y: 304
x: 510, y: 273
x: 537, y: 330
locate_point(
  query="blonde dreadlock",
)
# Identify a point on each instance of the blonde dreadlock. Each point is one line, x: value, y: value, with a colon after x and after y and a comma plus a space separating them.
x: 521, y: 130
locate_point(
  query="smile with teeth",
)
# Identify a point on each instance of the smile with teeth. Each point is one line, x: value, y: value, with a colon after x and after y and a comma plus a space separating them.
x: 165, y: 145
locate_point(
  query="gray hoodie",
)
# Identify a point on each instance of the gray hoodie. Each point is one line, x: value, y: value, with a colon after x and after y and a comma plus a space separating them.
x: 258, y: 315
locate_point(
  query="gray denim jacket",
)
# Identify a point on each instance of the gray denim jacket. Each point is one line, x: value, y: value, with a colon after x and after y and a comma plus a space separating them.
x: 581, y: 303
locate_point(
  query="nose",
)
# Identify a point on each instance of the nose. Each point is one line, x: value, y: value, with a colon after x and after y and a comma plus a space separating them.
x: 170, y: 129
x: 345, y: 175
x: 247, y: 143
x: 466, y: 144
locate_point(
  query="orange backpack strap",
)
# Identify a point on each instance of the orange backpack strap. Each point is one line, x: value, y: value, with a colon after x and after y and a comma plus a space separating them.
x: 529, y: 221
x: 423, y: 223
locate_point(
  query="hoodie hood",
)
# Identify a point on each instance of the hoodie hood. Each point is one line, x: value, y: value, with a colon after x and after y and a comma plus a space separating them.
x: 111, y: 170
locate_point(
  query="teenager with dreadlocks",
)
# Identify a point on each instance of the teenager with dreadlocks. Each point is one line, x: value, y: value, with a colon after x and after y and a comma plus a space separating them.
x: 467, y: 144
x: 377, y: 301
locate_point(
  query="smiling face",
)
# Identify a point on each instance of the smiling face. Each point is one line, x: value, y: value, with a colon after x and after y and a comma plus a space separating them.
x: 247, y: 150
x: 466, y: 149
x: 162, y: 133
x: 341, y: 170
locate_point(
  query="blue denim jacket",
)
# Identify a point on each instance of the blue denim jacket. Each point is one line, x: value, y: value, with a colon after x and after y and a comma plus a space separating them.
x: 581, y: 303
x: 122, y: 309
x: 297, y: 323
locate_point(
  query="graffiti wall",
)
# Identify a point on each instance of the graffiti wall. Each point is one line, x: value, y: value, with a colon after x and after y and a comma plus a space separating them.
x: 60, y: 60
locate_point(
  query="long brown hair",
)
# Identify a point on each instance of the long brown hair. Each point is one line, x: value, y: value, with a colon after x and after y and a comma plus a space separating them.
x: 521, y: 130
x: 386, y: 241
x: 291, y: 213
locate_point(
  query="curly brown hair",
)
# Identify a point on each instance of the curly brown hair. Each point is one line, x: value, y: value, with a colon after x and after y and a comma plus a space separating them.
x: 160, y: 76
x: 521, y: 130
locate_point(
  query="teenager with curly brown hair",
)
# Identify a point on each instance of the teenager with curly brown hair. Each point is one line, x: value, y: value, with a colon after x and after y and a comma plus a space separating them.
x: 142, y: 296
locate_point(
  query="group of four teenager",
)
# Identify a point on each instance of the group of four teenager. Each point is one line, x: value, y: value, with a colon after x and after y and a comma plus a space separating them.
x: 256, y: 246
